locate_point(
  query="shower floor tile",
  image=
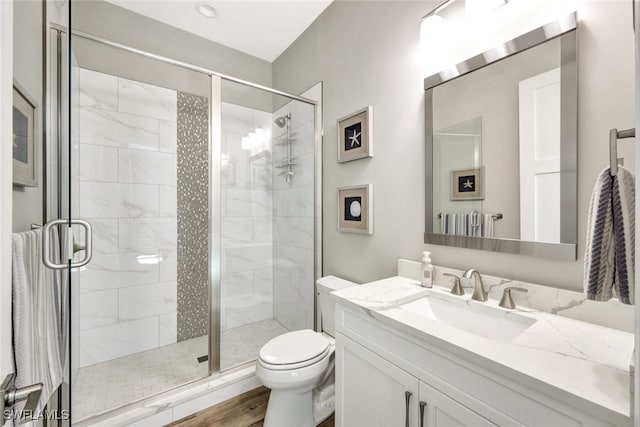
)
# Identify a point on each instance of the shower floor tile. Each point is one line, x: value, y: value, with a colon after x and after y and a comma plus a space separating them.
x: 105, y: 386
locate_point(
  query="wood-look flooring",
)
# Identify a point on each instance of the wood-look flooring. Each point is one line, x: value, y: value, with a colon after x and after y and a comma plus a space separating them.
x: 245, y: 410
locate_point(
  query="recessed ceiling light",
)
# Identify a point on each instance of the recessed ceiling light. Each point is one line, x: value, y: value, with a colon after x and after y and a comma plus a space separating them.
x: 206, y: 9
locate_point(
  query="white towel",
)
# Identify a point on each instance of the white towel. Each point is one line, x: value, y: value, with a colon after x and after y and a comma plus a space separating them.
x: 610, y: 246
x: 472, y: 224
x: 475, y: 224
x: 487, y: 225
x: 444, y: 223
x: 37, y: 327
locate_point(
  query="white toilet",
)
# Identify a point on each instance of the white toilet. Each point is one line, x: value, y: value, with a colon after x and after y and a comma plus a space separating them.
x: 298, y: 367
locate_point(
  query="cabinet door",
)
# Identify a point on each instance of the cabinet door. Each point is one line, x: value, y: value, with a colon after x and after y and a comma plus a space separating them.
x: 442, y: 411
x: 371, y: 391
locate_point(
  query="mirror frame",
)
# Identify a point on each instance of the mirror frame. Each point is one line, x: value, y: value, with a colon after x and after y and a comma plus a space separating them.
x: 567, y: 250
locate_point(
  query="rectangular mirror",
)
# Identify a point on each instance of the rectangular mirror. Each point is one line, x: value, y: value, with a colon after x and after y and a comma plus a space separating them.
x: 501, y: 148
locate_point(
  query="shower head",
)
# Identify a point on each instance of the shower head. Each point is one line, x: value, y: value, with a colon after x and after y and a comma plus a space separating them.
x: 281, y: 121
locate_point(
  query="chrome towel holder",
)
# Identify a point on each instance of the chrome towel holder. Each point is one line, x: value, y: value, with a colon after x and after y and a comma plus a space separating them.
x: 496, y: 217
x: 614, y: 136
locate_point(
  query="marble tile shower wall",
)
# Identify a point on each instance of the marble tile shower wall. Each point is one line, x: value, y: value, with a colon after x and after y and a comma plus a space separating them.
x: 294, y: 222
x: 126, y: 183
x: 247, y: 214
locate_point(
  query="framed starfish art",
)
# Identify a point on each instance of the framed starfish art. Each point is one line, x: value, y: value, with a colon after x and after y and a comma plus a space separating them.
x: 355, y: 135
x: 467, y: 184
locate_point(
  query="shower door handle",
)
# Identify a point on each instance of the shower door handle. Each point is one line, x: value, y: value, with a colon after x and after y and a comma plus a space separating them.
x: 70, y: 246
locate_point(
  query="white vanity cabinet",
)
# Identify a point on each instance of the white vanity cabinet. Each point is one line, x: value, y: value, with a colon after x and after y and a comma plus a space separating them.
x: 439, y: 410
x: 374, y: 392
x: 379, y: 360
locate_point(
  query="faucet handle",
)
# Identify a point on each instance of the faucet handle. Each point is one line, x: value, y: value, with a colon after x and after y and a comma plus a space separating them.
x: 456, y: 289
x: 507, y: 300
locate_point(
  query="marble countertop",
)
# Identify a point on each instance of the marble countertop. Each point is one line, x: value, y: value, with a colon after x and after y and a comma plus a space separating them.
x: 588, y: 361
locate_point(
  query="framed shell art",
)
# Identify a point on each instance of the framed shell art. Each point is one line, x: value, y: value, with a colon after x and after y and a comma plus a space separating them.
x: 355, y: 209
x: 355, y: 135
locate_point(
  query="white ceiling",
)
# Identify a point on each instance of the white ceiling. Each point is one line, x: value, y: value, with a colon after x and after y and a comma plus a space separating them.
x: 262, y: 28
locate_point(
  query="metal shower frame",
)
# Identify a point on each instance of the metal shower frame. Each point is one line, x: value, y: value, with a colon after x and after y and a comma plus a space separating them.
x: 215, y: 99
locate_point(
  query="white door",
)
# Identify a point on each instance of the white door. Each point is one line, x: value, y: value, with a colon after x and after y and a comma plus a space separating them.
x: 539, y: 107
x: 371, y: 391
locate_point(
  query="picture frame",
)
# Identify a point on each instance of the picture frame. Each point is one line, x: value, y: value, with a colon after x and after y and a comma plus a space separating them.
x: 355, y: 135
x: 467, y: 184
x: 355, y: 209
x: 25, y: 148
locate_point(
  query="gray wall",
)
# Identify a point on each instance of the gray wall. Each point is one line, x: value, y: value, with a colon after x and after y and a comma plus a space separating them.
x: 375, y: 61
x: 27, y: 71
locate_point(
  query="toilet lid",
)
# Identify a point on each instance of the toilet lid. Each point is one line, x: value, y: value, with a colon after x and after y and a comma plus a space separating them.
x: 294, y: 347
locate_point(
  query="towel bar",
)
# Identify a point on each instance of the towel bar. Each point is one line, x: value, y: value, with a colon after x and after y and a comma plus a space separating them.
x: 614, y: 136
x: 495, y: 217
x: 76, y: 246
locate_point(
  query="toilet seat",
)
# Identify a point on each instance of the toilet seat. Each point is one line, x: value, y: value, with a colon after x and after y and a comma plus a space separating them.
x: 294, y: 350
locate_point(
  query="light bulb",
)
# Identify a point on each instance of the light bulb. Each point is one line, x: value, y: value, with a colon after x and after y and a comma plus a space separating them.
x: 431, y: 29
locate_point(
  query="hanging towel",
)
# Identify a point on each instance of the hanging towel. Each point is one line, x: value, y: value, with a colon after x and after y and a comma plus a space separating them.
x: 37, y: 302
x: 453, y: 224
x: 444, y: 223
x: 610, y: 246
x: 461, y: 224
x: 475, y: 224
x: 487, y: 225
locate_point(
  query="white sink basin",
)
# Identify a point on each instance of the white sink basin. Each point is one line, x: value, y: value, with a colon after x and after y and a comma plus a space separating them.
x: 487, y: 322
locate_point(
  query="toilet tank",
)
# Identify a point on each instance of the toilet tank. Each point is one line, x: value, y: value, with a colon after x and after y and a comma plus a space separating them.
x: 325, y: 286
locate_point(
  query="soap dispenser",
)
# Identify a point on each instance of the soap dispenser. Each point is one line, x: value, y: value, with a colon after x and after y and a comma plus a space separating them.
x: 427, y: 270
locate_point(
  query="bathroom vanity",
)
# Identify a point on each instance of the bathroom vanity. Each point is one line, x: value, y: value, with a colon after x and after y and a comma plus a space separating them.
x: 410, y: 356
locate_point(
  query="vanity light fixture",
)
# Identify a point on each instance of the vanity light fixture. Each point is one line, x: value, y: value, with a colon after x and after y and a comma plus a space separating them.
x: 430, y: 27
x: 432, y: 22
x: 479, y: 7
x: 207, y: 9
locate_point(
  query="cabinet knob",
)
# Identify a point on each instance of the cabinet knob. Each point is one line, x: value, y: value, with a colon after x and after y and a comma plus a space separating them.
x: 407, y: 400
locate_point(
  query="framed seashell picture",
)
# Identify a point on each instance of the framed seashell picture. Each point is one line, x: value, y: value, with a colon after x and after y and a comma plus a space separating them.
x: 355, y: 209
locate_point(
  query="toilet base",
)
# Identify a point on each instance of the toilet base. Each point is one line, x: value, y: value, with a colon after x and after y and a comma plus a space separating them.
x: 290, y: 408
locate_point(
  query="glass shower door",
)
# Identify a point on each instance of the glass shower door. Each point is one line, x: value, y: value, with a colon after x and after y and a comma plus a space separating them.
x: 267, y: 219
x: 140, y: 170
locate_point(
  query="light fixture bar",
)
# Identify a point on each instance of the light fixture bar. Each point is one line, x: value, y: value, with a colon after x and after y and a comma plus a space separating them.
x: 438, y: 9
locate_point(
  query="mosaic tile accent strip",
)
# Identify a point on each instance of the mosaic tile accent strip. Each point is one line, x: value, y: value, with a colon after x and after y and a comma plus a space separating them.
x: 193, y: 215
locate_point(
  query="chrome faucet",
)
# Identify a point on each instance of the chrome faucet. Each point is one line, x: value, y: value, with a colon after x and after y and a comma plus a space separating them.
x: 479, y: 294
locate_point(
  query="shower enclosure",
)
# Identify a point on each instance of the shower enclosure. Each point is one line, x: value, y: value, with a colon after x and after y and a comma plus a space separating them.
x: 202, y: 192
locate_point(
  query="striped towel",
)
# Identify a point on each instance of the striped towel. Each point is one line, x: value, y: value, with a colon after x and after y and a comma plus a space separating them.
x: 610, y: 248
x: 472, y: 224
x: 487, y: 225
